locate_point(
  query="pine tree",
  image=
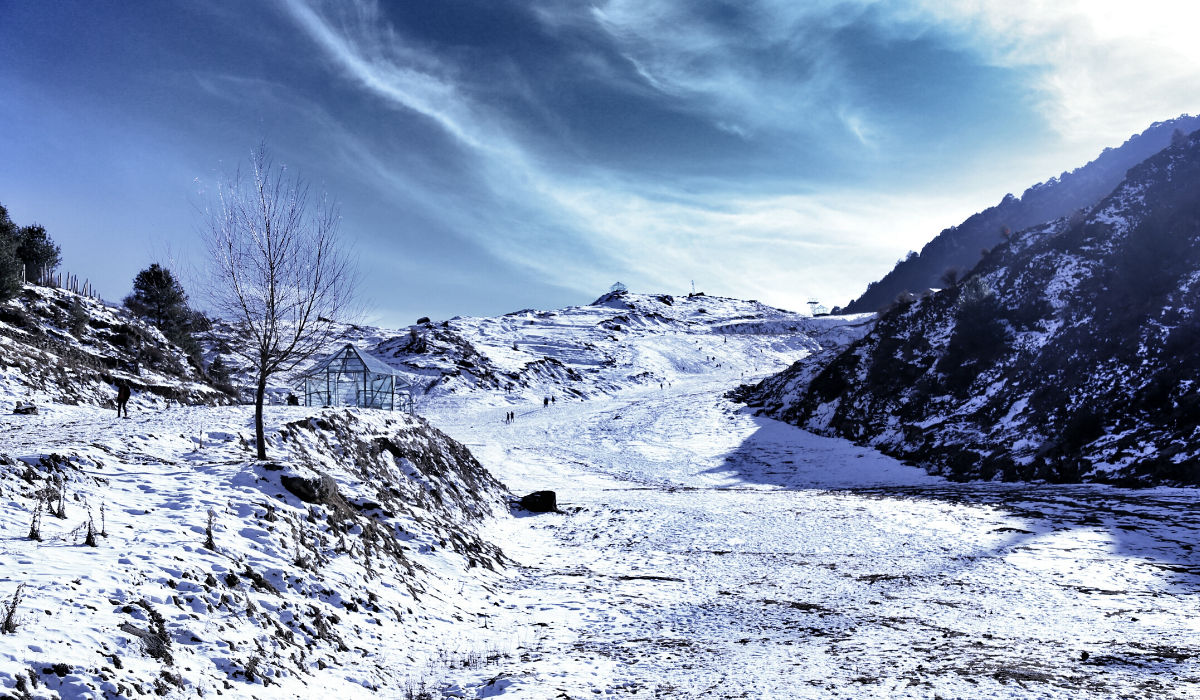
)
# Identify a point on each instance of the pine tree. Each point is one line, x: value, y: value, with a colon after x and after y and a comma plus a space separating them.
x: 36, y: 250
x: 10, y: 274
x: 159, y: 298
x: 10, y: 264
x: 219, y: 372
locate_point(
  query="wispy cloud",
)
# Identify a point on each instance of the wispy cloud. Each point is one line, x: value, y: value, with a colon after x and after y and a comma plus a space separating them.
x: 772, y: 69
x: 579, y: 231
x: 1107, y: 68
x: 374, y: 55
x: 755, y: 65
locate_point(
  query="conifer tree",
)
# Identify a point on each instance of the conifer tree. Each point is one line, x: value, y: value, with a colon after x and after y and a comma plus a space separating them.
x: 159, y: 298
x: 10, y: 264
x: 36, y: 250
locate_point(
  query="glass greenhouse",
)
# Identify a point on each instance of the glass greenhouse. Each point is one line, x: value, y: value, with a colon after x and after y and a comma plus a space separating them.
x: 349, y: 377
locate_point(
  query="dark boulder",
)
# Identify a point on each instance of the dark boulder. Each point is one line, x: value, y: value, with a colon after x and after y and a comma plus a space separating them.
x: 319, y: 490
x: 540, y: 502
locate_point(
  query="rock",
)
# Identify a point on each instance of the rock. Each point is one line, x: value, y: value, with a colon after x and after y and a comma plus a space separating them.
x: 540, y: 502
x: 319, y: 490
x: 25, y: 409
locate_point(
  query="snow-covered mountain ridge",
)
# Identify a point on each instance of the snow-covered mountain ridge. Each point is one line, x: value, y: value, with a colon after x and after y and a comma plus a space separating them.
x: 959, y: 247
x: 1069, y: 354
x: 619, y: 341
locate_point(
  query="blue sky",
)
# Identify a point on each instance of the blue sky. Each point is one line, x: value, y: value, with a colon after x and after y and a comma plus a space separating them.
x: 492, y: 155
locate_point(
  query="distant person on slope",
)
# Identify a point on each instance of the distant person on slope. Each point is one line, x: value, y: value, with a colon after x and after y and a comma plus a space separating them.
x: 546, y: 402
x: 123, y: 394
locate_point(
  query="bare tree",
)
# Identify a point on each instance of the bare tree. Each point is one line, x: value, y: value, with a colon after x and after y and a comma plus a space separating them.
x: 278, y: 270
x: 952, y: 276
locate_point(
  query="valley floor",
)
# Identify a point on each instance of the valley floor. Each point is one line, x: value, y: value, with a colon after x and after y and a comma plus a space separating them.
x: 701, y: 552
x: 705, y: 552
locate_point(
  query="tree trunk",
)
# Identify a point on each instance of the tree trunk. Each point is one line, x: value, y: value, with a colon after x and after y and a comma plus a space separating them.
x: 260, y: 437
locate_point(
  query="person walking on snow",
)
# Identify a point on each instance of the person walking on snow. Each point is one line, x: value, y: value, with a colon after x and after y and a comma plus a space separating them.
x: 546, y: 402
x: 123, y: 393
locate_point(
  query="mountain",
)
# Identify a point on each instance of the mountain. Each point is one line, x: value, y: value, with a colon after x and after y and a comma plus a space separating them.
x: 959, y: 247
x: 1072, y: 352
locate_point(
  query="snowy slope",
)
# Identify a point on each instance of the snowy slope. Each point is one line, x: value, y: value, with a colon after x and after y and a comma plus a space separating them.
x: 705, y: 552
x: 620, y: 341
x: 367, y: 583
x: 57, y: 346
x: 702, y: 551
x: 959, y: 247
x: 357, y: 557
x: 1069, y: 354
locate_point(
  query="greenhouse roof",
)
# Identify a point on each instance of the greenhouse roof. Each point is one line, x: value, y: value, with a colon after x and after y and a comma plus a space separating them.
x: 373, y: 364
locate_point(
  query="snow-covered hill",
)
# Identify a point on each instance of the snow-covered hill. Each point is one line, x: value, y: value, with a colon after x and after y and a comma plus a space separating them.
x: 701, y: 551
x: 169, y: 562
x: 623, y: 340
x: 1069, y: 354
x: 61, y: 347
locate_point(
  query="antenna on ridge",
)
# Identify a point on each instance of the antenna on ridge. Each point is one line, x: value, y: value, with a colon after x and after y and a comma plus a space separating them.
x: 693, y: 286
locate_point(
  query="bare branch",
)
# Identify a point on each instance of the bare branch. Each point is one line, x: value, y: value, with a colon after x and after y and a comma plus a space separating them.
x: 279, y: 270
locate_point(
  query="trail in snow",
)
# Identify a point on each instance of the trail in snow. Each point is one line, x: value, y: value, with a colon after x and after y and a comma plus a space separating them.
x: 707, y: 552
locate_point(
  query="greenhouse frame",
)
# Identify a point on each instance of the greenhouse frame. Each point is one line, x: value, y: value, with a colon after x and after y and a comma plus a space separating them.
x: 349, y: 377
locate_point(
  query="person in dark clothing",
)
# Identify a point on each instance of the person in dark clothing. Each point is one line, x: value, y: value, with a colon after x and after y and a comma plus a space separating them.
x: 546, y: 402
x: 123, y: 394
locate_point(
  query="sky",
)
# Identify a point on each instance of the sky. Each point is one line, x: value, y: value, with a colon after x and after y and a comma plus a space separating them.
x: 490, y: 156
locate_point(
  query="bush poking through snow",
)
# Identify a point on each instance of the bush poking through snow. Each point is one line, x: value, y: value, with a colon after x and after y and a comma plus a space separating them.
x: 156, y: 640
x: 90, y: 540
x: 35, y: 522
x: 210, y: 543
x: 60, y: 511
x: 9, y: 624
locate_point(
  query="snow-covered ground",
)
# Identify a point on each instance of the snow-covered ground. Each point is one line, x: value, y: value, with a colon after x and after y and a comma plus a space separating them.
x: 366, y: 592
x: 701, y: 552
x: 705, y: 552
